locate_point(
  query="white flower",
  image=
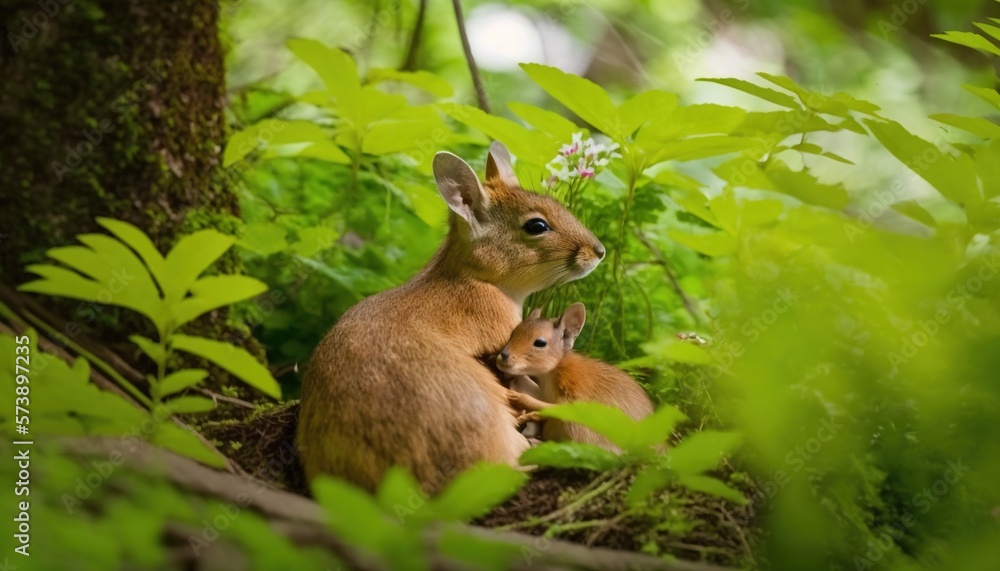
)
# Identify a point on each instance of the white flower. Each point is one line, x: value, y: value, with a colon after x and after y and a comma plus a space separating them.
x: 581, y: 159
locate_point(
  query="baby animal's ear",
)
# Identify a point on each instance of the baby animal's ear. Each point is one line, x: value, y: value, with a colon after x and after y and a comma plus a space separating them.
x: 535, y: 313
x: 572, y: 323
x: 498, y: 164
x: 459, y: 187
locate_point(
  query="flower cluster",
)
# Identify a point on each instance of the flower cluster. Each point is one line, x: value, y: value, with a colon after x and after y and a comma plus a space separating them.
x: 579, y: 160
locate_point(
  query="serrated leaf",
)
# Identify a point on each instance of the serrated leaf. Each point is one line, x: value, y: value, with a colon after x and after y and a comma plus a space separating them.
x: 410, y: 128
x: 699, y: 148
x: 477, y: 490
x: 186, y: 405
x: 531, y: 146
x: 608, y: 421
x: 151, y: 348
x: 192, y: 255
x: 337, y: 70
x: 702, y: 451
x: 213, y: 292
x: 765, y: 93
x: 231, y: 358
x: 643, y: 108
x: 179, y: 380
x: 553, y: 124
x: 581, y: 96
x: 711, y: 486
x: 970, y: 40
x: 570, y: 455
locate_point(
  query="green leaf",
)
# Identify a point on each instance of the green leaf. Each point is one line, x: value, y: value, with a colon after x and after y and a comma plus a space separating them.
x: 400, y: 494
x: 581, y: 96
x: 531, y: 146
x: 702, y: 451
x: 425, y: 80
x: 765, y: 93
x: 608, y: 421
x: 813, y: 149
x: 990, y: 29
x: 711, y: 244
x: 553, y: 124
x: 214, y: 292
x: 186, y: 442
x: 954, y: 177
x: 231, y: 358
x: 912, y: 209
x: 692, y: 120
x: 643, y: 108
x: 477, y: 490
x: 410, y: 128
x: 970, y: 40
x: 179, y: 380
x: 192, y: 255
x: 711, y: 486
x: 337, y: 70
x: 310, y: 139
x: 265, y: 238
x: 700, y: 148
x: 978, y: 126
x: 315, y: 240
x: 354, y: 516
x: 480, y: 553
x: 184, y: 405
x: 648, y: 481
x: 985, y: 93
x: 675, y: 179
x: 141, y: 243
x: 656, y: 428
x: 570, y: 455
x: 151, y: 348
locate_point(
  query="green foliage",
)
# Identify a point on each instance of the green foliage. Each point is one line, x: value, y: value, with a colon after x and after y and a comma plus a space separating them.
x: 129, y: 272
x: 392, y: 525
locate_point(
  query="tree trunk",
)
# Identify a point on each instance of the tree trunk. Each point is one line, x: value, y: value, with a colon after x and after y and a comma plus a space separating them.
x: 112, y: 108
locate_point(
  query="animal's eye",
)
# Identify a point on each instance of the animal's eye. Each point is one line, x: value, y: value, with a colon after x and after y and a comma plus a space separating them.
x: 541, y: 342
x: 536, y: 226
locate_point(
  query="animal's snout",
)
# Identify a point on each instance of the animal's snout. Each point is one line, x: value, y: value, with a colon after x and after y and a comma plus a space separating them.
x: 599, y: 251
x: 504, y: 354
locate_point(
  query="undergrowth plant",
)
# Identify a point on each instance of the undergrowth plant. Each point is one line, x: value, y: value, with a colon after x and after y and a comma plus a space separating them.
x: 127, y: 270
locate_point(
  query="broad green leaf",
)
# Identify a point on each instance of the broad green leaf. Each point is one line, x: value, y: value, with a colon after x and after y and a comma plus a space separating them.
x: 231, y: 358
x: 400, y: 495
x: 184, y: 405
x: 760, y: 212
x: 265, y: 238
x: 337, y: 70
x: 692, y: 120
x: 954, y: 177
x: 570, y: 455
x: 970, y: 40
x: 141, y: 243
x: 811, y: 99
x: 315, y: 240
x: 643, y: 108
x: 553, y: 124
x: 179, y: 380
x: 804, y: 186
x: 976, y: 125
x: 480, y: 553
x: 813, y: 149
x: 354, y: 516
x: 990, y: 29
x: 712, y: 486
x: 151, y: 348
x: 532, y: 146
x: 776, y: 126
x: 581, y: 96
x: 410, y: 128
x: 130, y: 283
x: 656, y: 428
x: 311, y: 140
x: 608, y: 421
x: 699, y: 148
x: 765, y: 93
x: 192, y: 255
x: 648, y: 481
x: 425, y: 80
x: 912, y: 209
x: 702, y: 451
x: 675, y: 179
x: 186, y: 442
x: 712, y: 244
x: 214, y: 292
x: 987, y: 94
x: 477, y: 490
x: 377, y: 105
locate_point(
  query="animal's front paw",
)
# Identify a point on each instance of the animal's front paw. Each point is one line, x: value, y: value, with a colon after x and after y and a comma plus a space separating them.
x: 529, y: 417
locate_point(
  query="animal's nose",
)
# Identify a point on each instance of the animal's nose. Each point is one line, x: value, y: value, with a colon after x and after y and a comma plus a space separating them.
x: 505, y: 353
x: 600, y: 251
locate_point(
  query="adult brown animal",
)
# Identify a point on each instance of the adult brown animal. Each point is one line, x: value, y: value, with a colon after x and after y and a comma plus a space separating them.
x: 399, y: 380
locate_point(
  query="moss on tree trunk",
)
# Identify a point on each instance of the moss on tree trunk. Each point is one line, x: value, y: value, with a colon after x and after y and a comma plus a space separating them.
x: 112, y: 108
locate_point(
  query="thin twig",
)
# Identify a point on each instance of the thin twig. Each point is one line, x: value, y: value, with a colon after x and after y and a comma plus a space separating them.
x: 662, y: 261
x: 410, y: 63
x: 477, y: 79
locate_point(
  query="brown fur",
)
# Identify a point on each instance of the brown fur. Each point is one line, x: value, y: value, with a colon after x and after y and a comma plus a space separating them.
x: 398, y: 380
x: 564, y: 376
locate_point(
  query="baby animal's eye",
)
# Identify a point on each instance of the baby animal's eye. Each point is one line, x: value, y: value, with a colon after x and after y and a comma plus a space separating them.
x: 541, y: 342
x: 536, y: 226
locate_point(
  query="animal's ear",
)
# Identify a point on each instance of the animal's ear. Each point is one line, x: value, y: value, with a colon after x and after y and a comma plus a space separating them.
x: 459, y: 186
x: 535, y: 313
x: 498, y: 164
x: 572, y: 323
